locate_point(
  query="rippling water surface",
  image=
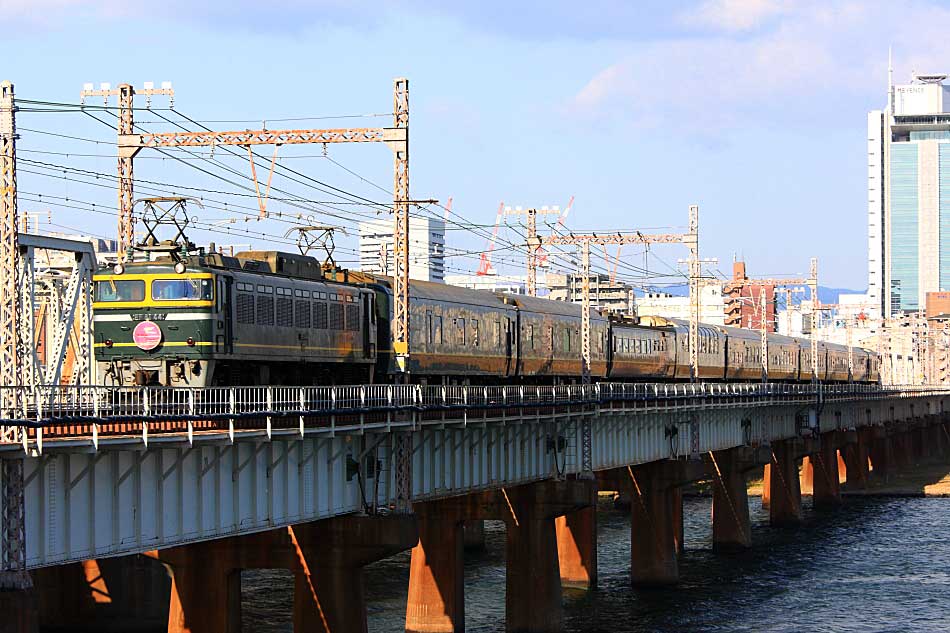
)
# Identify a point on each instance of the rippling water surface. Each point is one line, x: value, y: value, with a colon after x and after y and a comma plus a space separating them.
x: 872, y: 565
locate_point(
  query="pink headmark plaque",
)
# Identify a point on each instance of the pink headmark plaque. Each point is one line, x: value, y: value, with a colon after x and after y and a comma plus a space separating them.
x: 147, y: 335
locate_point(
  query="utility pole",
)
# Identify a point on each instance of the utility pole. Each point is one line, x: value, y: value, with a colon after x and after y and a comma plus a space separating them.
x: 125, y: 128
x: 765, y: 335
x: 815, y: 307
x: 398, y: 141
x: 533, y: 242
x: 695, y: 273
x: 585, y: 241
x: 13, y: 574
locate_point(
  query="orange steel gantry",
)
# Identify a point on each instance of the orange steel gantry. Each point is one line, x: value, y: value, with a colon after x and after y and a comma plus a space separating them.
x: 396, y: 137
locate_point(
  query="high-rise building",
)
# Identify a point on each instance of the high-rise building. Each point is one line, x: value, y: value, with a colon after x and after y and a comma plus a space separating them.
x: 426, y: 248
x: 909, y: 196
x: 743, y: 301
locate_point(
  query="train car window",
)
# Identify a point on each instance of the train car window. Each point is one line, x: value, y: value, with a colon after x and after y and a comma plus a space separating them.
x: 302, y: 314
x: 320, y: 319
x: 333, y: 296
x: 353, y: 317
x: 475, y: 332
x: 438, y: 330
x: 245, y: 308
x: 124, y: 290
x: 497, y: 327
x: 182, y: 289
x: 656, y: 345
x: 429, y: 333
x: 336, y: 316
x: 531, y: 336
x: 265, y: 311
x: 285, y: 312
x: 551, y: 337
x: 267, y: 290
x: 460, y: 330
x: 321, y: 295
x: 302, y: 294
x: 567, y: 339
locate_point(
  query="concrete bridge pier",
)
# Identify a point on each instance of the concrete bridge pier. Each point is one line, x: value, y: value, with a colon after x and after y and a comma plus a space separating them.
x: 18, y: 613
x: 856, y: 454
x: 820, y: 471
x: 732, y: 529
x: 533, y: 576
x: 128, y: 593
x: 782, y: 484
x: 330, y: 556
x: 325, y: 556
x: 882, y: 455
x: 656, y: 515
x: 577, y: 545
x: 473, y: 534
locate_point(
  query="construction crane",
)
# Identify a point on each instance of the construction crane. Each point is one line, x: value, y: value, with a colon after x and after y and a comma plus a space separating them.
x: 485, y: 266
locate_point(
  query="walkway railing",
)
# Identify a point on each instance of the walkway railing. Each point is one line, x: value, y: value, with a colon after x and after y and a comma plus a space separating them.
x: 76, y: 411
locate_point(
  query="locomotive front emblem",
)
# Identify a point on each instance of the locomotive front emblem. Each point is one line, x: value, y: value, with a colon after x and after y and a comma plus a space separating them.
x: 147, y: 335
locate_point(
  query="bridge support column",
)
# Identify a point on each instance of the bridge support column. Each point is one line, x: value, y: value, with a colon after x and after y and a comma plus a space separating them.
x: 856, y: 461
x: 653, y: 526
x: 903, y: 452
x: 195, y: 568
x: 436, y: 601
x: 328, y: 585
x: 533, y: 585
x: 785, y: 495
x: 766, y: 486
x: 128, y: 593
x: 18, y: 613
x: 732, y: 529
x: 823, y: 466
x: 473, y: 534
x: 882, y: 456
x: 577, y: 546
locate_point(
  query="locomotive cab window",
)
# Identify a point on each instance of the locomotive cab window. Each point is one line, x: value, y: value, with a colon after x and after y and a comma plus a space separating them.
x: 112, y: 290
x: 182, y: 289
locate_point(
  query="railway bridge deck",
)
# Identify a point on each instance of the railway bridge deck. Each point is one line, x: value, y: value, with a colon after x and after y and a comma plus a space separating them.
x: 331, y: 478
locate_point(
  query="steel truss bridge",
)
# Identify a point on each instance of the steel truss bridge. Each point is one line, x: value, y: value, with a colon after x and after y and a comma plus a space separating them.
x: 116, y: 470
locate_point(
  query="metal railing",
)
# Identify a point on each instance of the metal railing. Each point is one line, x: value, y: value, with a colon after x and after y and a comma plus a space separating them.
x: 70, y: 411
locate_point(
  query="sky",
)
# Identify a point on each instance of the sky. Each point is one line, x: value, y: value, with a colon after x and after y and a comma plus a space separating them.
x: 753, y: 109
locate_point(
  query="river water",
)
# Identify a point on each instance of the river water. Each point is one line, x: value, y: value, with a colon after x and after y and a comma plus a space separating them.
x: 874, y: 564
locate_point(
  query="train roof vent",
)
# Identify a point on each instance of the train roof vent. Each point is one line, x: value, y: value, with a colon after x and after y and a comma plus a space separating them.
x: 289, y: 264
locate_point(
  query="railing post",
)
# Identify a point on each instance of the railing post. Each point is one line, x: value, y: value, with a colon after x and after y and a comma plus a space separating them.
x: 191, y: 417
x: 232, y: 397
x: 269, y: 396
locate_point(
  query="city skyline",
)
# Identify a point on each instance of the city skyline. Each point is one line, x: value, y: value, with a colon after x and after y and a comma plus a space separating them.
x: 753, y: 110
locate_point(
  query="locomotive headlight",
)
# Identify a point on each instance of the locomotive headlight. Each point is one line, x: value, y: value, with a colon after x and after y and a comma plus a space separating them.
x: 108, y: 342
x: 180, y: 268
x: 118, y: 268
x: 190, y: 341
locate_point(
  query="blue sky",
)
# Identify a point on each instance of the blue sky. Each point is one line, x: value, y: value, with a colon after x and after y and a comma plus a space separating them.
x: 754, y: 109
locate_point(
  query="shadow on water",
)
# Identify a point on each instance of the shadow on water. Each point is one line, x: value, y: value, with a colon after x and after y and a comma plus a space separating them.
x: 871, y: 565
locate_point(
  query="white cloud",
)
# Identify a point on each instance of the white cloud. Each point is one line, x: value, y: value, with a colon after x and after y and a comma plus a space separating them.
x: 734, y: 15
x: 818, y: 60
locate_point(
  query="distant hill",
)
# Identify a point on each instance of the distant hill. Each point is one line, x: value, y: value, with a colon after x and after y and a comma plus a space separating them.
x: 825, y: 294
